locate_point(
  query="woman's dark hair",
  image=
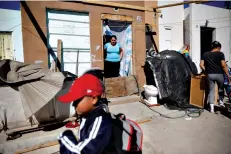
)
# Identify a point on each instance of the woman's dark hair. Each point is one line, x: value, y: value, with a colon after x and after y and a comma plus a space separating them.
x: 106, y: 21
x: 114, y: 37
x: 216, y: 44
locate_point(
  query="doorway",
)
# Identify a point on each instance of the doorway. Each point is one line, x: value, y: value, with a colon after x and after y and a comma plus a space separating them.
x: 123, y: 31
x: 207, y: 37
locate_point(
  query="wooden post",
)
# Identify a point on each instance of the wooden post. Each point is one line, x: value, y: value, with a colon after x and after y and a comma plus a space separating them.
x: 59, y: 53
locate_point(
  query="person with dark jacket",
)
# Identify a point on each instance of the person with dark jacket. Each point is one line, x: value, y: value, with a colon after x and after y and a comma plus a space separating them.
x: 214, y: 66
x: 95, y: 132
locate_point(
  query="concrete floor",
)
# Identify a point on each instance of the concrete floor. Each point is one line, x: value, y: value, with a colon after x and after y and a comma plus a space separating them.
x: 208, y: 134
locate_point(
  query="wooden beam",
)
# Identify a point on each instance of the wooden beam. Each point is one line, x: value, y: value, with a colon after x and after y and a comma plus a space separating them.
x: 59, y: 53
x: 181, y: 3
x: 118, y: 5
x: 116, y: 17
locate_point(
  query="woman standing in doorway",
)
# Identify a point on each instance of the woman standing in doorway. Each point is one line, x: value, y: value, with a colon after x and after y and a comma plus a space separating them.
x: 213, y: 64
x: 114, y: 54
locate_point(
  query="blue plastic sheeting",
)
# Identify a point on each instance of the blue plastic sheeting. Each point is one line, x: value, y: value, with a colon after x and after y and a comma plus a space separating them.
x: 220, y: 4
x: 10, y: 5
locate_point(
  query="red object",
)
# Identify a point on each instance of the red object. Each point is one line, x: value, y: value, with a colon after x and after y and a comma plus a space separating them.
x: 141, y: 141
x: 153, y: 105
x: 73, y: 124
x: 130, y: 138
x: 86, y: 85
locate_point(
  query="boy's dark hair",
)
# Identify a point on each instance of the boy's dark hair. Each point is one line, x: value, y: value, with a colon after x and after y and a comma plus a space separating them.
x: 100, y: 101
x: 216, y: 44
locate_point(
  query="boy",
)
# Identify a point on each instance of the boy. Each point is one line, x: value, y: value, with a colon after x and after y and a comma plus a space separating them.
x: 95, y: 129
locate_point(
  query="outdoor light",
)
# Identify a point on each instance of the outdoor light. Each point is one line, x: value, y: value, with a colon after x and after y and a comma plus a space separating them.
x: 116, y: 9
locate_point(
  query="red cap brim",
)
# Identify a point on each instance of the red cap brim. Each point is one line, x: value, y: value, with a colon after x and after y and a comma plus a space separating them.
x: 68, y: 98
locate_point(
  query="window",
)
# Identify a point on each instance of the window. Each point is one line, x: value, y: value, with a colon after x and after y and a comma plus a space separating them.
x: 74, y: 31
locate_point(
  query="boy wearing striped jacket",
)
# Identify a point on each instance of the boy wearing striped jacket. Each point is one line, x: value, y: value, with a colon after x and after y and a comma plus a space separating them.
x: 95, y: 132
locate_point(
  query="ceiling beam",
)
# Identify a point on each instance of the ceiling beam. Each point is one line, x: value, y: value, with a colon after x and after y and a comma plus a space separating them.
x: 181, y: 3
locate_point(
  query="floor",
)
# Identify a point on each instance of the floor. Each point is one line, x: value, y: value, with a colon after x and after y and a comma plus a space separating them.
x: 207, y: 134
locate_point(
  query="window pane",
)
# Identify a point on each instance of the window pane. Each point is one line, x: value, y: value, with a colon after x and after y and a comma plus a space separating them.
x: 70, y: 41
x: 67, y: 27
x: 84, y: 57
x: 83, y: 67
x: 70, y: 67
x: 62, y: 15
x: 70, y: 57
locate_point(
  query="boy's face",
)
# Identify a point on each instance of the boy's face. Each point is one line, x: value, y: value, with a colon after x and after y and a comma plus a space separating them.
x: 85, y: 105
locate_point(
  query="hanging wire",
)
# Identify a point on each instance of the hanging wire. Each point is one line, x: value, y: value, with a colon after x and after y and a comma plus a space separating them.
x: 140, y: 25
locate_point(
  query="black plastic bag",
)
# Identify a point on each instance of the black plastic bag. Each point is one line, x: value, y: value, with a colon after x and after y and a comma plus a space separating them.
x: 172, y: 74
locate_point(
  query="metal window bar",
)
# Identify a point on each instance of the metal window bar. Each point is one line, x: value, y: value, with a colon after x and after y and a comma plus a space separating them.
x: 83, y: 22
x: 78, y: 51
x: 77, y: 65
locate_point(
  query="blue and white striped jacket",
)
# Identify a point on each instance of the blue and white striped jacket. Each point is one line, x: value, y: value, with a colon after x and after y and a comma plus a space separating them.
x: 95, y: 134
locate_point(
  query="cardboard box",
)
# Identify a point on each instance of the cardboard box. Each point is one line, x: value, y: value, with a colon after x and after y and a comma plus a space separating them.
x: 199, y: 91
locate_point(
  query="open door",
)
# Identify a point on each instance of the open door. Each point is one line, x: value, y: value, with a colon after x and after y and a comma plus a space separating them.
x: 123, y: 31
x: 207, y: 37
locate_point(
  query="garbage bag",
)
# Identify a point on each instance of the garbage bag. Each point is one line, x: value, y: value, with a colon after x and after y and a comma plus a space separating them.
x: 172, y: 74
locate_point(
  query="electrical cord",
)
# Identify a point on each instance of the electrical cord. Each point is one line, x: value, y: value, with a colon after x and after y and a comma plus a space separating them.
x: 190, y: 111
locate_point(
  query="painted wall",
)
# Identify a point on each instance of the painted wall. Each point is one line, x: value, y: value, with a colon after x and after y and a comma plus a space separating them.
x: 34, y: 48
x: 10, y: 20
x: 172, y: 18
x: 218, y: 18
x: 187, y: 26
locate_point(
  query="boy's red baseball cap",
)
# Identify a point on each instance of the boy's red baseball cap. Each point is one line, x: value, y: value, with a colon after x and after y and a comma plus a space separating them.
x: 86, y: 85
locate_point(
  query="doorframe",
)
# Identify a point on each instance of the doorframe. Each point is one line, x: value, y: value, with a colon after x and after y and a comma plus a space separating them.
x: 122, y: 18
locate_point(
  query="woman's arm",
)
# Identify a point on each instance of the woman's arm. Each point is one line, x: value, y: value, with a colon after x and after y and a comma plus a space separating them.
x: 224, y: 65
x: 105, y: 50
x: 225, y: 69
x: 202, y: 65
x: 121, y: 53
